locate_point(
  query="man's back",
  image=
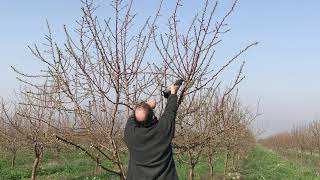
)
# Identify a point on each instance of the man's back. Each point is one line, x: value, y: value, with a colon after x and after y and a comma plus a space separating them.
x: 150, y: 149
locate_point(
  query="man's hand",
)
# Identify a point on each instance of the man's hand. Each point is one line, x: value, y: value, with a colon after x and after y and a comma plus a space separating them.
x: 174, y: 88
x: 152, y: 103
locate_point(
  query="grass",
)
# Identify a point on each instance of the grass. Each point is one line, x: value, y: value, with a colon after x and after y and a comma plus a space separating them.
x: 306, y: 159
x: 71, y: 165
x: 74, y: 165
x: 201, y: 170
x: 266, y: 164
x: 260, y: 163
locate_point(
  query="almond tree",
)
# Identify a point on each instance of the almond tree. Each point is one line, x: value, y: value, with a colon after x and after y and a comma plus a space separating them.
x: 314, y: 128
x: 281, y: 142
x: 36, y: 114
x: 193, y: 138
x: 98, y: 76
x: 190, y: 55
x: 237, y: 136
x: 215, y: 132
x: 31, y: 121
x: 300, y: 138
x: 11, y: 140
x: 100, y: 72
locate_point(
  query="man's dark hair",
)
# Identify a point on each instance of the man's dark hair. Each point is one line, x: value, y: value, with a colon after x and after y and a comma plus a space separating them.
x: 149, y: 119
x: 143, y: 105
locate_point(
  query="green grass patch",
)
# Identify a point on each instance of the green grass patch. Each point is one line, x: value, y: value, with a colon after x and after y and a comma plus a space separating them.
x: 262, y: 163
x: 74, y: 165
x: 303, y: 158
x: 71, y: 165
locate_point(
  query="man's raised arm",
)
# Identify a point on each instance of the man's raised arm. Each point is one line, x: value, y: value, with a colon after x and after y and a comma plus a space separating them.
x: 167, y: 119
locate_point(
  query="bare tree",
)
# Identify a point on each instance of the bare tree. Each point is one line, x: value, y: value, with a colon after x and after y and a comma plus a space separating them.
x: 301, y: 138
x: 100, y: 72
x: 237, y: 136
x: 190, y: 55
x: 192, y: 137
x: 29, y: 123
x: 315, y: 133
x: 11, y: 140
x: 98, y: 77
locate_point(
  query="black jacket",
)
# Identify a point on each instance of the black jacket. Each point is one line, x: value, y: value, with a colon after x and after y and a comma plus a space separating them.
x: 150, y: 148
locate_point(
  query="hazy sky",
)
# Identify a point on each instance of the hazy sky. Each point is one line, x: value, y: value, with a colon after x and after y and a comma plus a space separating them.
x: 282, y: 71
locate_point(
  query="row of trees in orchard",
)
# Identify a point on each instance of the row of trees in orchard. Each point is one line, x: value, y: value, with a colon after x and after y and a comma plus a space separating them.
x: 91, y: 82
x: 219, y: 125
x: 303, y: 139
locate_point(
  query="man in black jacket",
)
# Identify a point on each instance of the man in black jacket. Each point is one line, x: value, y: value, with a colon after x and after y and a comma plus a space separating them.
x: 149, y: 141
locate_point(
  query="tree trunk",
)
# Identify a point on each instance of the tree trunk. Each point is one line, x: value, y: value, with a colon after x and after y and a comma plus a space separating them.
x: 122, y: 177
x: 191, y: 173
x: 191, y: 167
x: 38, y: 149
x: 234, y: 162
x: 211, y: 165
x: 119, y: 162
x: 96, y: 171
x: 34, y: 168
x: 226, y: 158
x: 57, y: 151
x: 13, y: 160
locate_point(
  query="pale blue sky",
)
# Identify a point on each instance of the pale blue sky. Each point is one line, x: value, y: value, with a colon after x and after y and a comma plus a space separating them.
x: 283, y: 70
